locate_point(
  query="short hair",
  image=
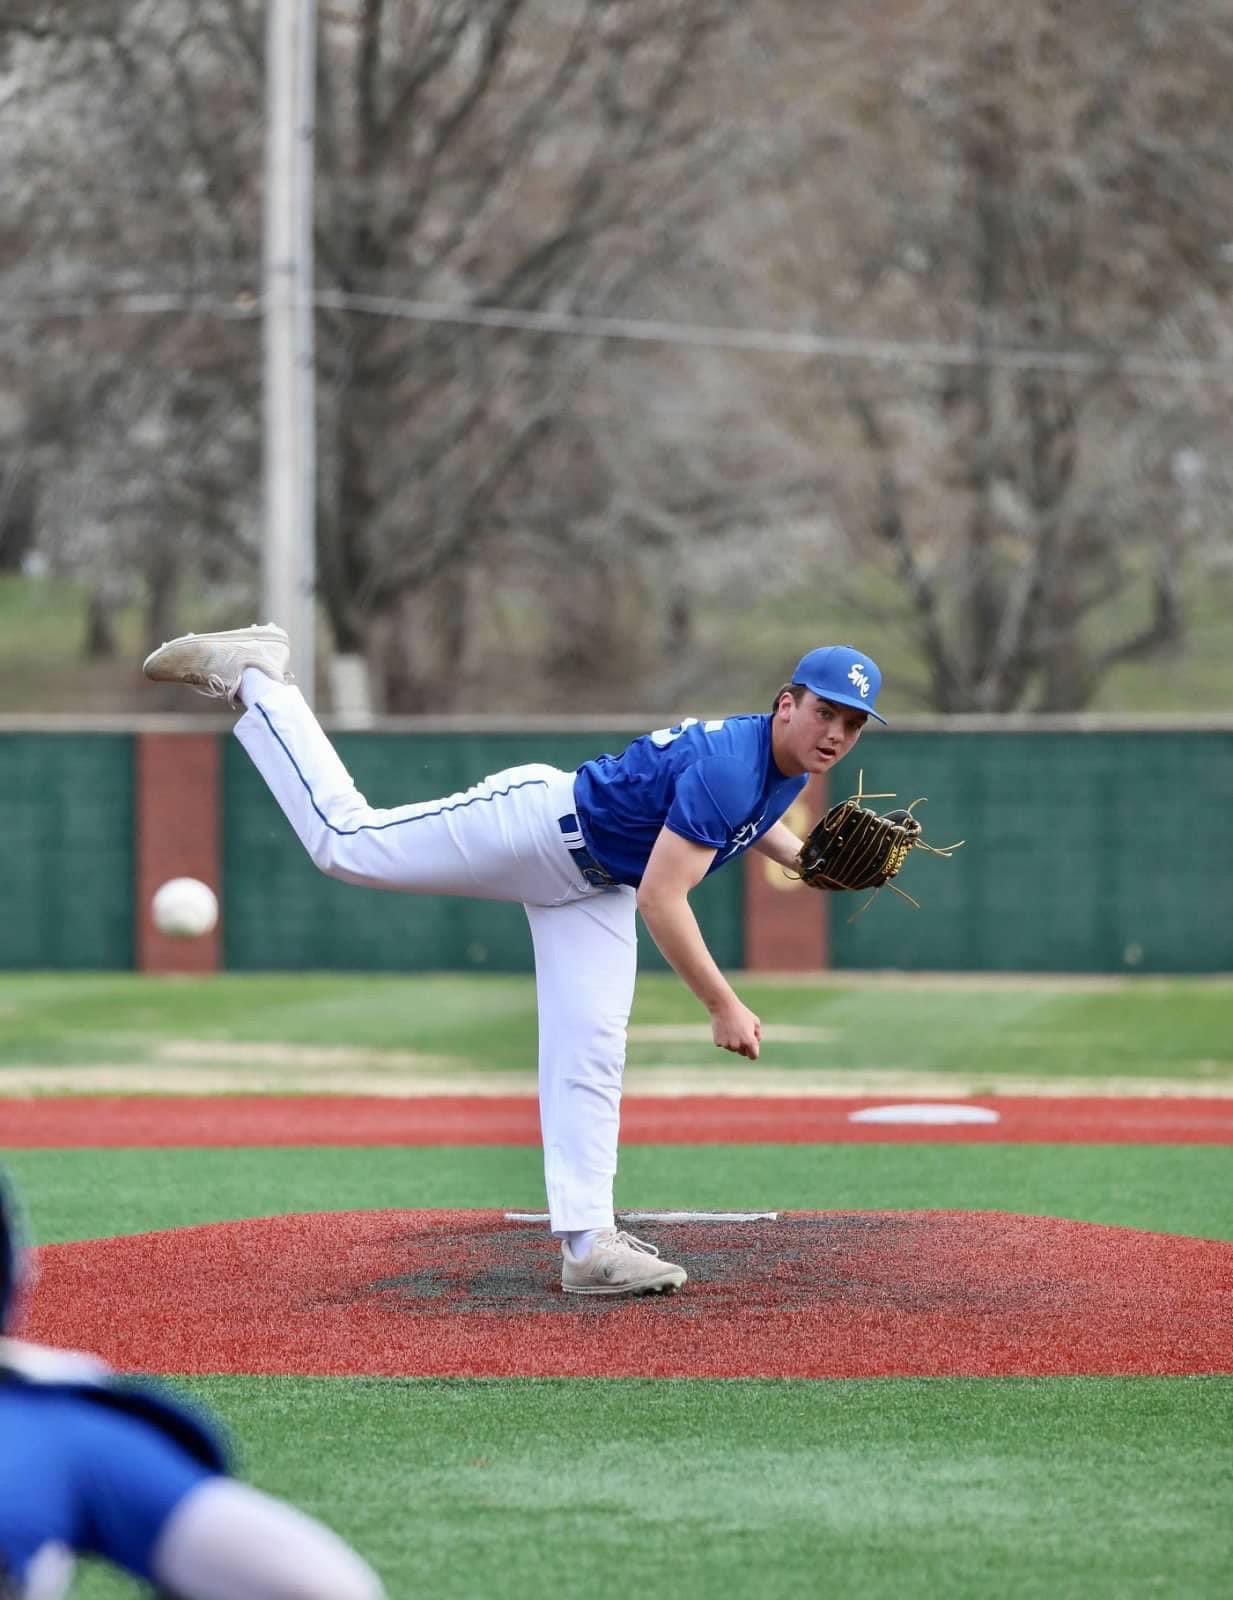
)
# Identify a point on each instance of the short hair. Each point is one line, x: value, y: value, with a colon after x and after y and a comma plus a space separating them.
x: 796, y: 690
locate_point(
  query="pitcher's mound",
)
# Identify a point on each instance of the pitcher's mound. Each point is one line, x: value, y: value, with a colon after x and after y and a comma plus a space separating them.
x: 809, y: 1295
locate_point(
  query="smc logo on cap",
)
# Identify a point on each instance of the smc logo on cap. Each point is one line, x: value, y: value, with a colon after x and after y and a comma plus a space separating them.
x: 843, y: 675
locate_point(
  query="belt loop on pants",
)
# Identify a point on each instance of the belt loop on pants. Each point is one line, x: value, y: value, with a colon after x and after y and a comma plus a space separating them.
x: 586, y: 863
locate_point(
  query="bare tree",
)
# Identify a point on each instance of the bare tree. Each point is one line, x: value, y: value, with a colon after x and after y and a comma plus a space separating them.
x: 481, y: 152
x: 1003, y: 179
x: 486, y: 154
x: 149, y: 435
x: 546, y: 514
x: 1071, y: 186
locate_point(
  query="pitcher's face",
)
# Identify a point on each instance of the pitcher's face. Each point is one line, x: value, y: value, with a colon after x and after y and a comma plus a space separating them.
x: 814, y: 735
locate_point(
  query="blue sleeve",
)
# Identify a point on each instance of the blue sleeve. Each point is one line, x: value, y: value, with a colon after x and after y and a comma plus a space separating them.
x: 712, y: 800
x: 129, y: 1477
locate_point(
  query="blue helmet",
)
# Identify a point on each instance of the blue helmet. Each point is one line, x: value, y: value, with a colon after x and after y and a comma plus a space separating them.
x: 11, y: 1254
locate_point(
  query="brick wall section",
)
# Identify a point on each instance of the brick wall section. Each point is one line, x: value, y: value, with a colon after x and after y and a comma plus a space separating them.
x: 177, y: 815
x: 786, y: 923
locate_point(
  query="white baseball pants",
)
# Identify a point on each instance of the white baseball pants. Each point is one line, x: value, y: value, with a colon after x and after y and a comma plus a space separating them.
x: 508, y: 838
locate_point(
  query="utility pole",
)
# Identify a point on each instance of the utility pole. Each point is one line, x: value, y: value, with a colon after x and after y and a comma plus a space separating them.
x: 289, y: 406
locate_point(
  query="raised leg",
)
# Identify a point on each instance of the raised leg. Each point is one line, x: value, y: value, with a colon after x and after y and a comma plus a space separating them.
x: 496, y: 841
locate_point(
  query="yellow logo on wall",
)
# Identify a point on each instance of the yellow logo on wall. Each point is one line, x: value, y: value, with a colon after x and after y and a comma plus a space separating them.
x: 799, y: 819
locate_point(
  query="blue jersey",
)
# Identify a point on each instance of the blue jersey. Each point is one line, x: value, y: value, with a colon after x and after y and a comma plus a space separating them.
x: 713, y: 782
x: 91, y: 1469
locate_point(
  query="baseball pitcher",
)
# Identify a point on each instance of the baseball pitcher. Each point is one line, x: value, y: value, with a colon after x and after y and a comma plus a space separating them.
x: 583, y: 852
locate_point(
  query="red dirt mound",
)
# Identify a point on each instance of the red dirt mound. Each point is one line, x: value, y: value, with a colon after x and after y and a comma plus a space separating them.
x: 813, y: 1295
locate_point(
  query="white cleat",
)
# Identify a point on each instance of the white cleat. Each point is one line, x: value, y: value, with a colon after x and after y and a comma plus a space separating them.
x: 214, y: 663
x: 620, y: 1264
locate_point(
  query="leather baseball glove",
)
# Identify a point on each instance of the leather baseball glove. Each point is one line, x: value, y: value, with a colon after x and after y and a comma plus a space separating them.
x: 855, y: 847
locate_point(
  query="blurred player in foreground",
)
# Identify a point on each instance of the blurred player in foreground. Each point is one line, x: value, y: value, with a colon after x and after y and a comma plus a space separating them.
x: 97, y: 1465
x: 582, y: 851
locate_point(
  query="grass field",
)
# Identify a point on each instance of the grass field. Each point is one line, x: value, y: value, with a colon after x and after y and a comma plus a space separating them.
x: 287, y: 1031
x: 43, y: 629
x: 964, y: 1489
x: 1071, y: 1486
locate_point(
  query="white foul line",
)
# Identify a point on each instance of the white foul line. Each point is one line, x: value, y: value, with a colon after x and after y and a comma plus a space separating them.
x: 662, y: 1216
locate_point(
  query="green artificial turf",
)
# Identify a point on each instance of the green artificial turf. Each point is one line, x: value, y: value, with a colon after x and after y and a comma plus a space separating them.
x: 1096, y: 1489
x: 1105, y: 1489
x: 1145, y: 1028
x: 83, y: 1194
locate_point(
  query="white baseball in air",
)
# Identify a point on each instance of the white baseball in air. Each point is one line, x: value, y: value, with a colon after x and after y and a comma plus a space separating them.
x: 184, y: 908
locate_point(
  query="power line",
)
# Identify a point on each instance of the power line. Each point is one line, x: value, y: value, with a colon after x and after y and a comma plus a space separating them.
x: 566, y: 324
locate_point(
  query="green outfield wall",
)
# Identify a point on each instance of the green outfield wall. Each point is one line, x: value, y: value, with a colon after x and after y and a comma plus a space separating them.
x: 66, y: 868
x: 1089, y: 847
x: 1086, y: 851
x: 282, y: 912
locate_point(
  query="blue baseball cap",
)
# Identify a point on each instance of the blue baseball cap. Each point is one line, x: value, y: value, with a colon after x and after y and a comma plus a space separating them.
x: 841, y: 674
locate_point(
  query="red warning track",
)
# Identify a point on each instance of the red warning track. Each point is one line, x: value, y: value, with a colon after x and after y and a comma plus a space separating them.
x: 814, y: 1295
x: 147, y: 1121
